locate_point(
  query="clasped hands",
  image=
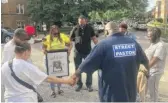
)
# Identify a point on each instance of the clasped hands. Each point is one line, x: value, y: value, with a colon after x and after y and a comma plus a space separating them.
x: 72, y: 80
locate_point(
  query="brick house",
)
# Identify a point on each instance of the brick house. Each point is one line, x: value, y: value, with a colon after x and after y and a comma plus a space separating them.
x: 161, y: 9
x: 14, y: 14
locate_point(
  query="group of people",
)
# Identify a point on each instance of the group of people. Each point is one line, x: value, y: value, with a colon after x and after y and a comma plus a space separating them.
x: 117, y: 59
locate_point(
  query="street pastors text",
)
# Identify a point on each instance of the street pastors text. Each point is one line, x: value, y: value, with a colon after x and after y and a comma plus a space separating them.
x: 123, y: 50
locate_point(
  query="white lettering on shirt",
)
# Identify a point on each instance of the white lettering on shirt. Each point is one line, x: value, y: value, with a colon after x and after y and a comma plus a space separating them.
x: 123, y: 50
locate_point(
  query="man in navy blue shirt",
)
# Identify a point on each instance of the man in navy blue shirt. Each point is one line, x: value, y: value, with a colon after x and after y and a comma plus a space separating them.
x: 118, y: 58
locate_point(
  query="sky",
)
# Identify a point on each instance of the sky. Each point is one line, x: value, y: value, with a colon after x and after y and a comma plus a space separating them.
x: 151, y: 4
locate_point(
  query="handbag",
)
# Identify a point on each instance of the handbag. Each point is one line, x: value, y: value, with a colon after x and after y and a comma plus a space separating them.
x: 39, y: 97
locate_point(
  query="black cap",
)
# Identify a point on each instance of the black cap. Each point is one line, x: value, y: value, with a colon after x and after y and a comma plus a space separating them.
x: 58, y: 23
x: 82, y: 17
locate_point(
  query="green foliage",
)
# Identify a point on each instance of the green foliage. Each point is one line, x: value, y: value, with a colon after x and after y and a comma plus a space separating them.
x: 68, y: 10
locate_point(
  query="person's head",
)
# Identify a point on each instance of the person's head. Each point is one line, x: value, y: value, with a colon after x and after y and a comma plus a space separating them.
x: 82, y: 20
x: 154, y: 34
x: 110, y: 28
x: 55, y: 32
x: 58, y: 24
x: 123, y: 27
x: 23, y: 51
x: 20, y: 36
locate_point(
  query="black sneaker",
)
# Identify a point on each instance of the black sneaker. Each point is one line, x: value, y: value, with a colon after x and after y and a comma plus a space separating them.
x: 78, y: 88
x: 53, y: 95
x: 60, y: 92
x: 90, y: 89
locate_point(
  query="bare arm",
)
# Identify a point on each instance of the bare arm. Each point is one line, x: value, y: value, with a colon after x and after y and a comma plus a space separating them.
x: 158, y: 55
x: 44, y: 49
x: 37, y: 41
x: 53, y: 79
x: 153, y: 61
x: 70, y: 47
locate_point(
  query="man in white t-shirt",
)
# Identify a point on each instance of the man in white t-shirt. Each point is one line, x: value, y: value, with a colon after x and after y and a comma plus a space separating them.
x: 8, y: 52
x: 20, y: 35
x: 156, y: 54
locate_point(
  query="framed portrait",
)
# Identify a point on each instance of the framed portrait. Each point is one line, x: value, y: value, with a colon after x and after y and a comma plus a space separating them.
x: 57, y: 63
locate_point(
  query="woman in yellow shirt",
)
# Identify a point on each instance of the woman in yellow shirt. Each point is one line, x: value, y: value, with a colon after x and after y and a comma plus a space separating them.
x: 55, y: 41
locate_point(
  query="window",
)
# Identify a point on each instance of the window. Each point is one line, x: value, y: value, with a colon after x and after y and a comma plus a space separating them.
x: 20, y: 24
x: 2, y: 24
x: 20, y: 9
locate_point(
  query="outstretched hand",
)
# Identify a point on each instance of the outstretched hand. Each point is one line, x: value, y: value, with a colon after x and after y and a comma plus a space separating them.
x: 73, y: 79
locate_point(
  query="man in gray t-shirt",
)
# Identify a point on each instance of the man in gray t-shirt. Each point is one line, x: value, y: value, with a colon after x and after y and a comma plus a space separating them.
x: 156, y: 54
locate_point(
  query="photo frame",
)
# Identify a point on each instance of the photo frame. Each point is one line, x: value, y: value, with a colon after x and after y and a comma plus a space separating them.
x: 57, y: 63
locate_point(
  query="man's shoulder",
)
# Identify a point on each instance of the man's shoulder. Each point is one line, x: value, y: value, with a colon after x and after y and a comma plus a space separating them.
x: 105, y: 41
x: 47, y: 37
x: 89, y: 26
x: 26, y: 64
x: 75, y: 27
x: 9, y: 44
x: 4, y: 66
x: 159, y: 44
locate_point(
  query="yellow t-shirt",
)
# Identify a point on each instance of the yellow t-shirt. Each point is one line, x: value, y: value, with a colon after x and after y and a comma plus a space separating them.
x: 56, y: 44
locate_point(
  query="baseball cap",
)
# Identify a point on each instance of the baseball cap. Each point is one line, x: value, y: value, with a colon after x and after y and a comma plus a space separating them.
x: 82, y: 17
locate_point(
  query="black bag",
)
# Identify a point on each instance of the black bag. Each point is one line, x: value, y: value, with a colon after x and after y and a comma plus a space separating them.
x: 40, y: 99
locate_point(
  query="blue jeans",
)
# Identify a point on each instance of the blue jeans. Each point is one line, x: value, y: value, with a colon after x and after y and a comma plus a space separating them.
x: 52, y: 85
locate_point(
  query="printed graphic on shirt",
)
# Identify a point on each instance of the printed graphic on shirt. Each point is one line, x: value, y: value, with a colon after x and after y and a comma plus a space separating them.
x: 123, y: 50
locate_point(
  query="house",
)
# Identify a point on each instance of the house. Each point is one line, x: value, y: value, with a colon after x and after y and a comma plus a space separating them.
x: 161, y: 9
x: 14, y: 14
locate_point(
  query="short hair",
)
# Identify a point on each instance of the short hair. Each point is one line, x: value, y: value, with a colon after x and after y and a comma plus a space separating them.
x: 20, y: 33
x: 111, y: 26
x: 82, y: 17
x: 156, y: 32
x: 123, y: 25
x: 22, y: 47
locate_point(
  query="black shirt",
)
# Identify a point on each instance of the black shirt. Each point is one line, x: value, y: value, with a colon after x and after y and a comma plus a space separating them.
x: 82, y: 38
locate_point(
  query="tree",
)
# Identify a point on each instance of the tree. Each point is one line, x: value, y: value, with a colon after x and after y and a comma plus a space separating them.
x: 68, y: 10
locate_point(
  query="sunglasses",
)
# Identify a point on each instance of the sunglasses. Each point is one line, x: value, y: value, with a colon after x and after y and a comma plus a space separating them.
x: 56, y: 33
